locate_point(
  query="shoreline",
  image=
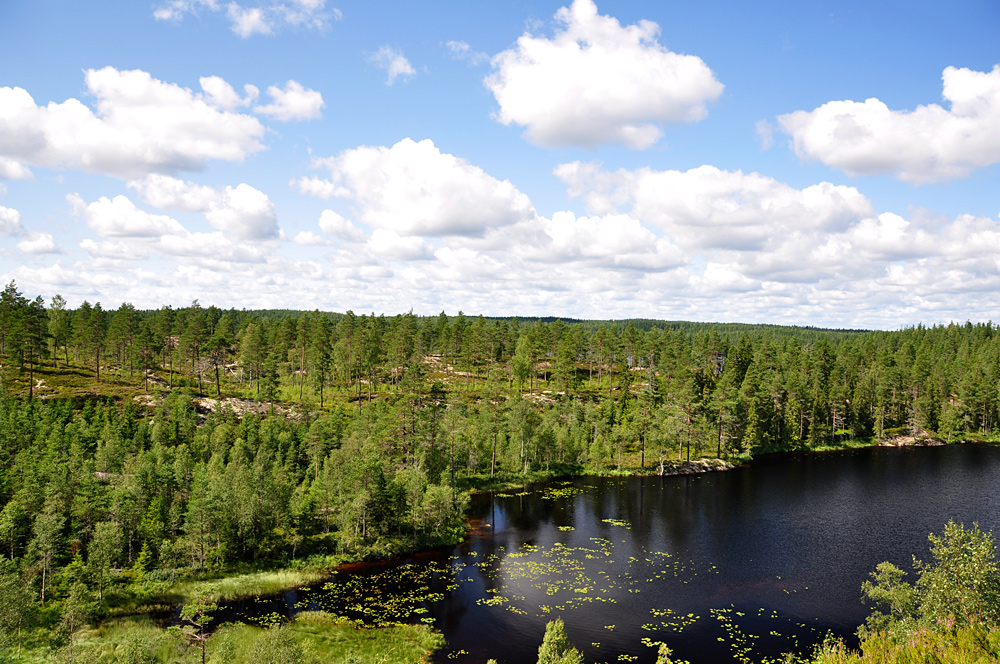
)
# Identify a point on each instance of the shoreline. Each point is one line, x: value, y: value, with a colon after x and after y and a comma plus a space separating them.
x: 671, y: 468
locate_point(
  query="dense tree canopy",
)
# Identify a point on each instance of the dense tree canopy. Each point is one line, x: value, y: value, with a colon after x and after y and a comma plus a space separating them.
x: 146, y: 442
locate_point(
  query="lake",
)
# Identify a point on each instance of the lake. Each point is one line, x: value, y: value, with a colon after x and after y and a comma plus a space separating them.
x: 741, y: 565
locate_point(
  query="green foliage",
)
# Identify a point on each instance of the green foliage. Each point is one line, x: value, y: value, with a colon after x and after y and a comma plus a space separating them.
x: 964, y: 645
x: 195, y: 616
x: 951, y: 614
x: 556, y: 648
x: 332, y: 436
x: 143, y: 562
x: 316, y: 637
x: 887, y: 588
x: 959, y: 586
x: 276, y: 646
x: 17, y: 605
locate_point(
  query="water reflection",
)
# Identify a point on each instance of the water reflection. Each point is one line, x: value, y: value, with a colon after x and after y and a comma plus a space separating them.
x: 736, y: 566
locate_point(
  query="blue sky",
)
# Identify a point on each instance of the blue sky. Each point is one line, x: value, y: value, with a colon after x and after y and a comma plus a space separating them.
x: 822, y: 163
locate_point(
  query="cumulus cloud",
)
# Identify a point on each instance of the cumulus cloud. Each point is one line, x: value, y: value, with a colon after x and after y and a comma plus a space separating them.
x: 10, y: 221
x: 389, y: 244
x: 294, y: 102
x: 928, y: 144
x: 243, y: 211
x: 39, y: 243
x: 209, y: 249
x: 247, y: 20
x: 393, y: 62
x: 430, y: 231
x: 141, y: 125
x: 819, y: 251
x: 615, y: 241
x: 883, y: 270
x: 596, y: 81
x: 309, y: 238
x: 13, y: 170
x: 413, y: 188
x: 119, y: 217
x: 333, y: 224
x: 220, y: 94
x: 113, y: 250
x: 707, y: 207
x: 165, y: 192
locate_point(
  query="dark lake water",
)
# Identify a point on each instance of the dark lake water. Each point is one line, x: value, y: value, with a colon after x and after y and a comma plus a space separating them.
x: 734, y: 566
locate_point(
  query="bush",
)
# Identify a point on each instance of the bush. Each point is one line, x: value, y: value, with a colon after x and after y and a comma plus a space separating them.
x: 951, y: 613
x: 959, y: 587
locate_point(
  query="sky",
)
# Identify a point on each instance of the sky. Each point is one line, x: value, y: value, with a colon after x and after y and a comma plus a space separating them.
x: 819, y: 163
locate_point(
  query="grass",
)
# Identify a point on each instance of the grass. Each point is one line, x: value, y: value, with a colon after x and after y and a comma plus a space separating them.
x: 314, y: 637
x: 150, y: 596
x: 335, y: 639
x: 253, y: 585
x: 969, y: 645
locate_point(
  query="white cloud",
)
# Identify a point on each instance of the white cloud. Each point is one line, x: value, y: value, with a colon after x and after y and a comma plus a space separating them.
x: 242, y: 210
x: 723, y: 278
x: 259, y: 18
x: 929, y: 144
x: 461, y: 50
x: 389, y: 244
x: 13, y: 170
x: 212, y: 250
x: 308, y: 13
x: 333, y: 224
x: 882, y: 270
x: 295, y: 102
x: 320, y: 188
x: 309, y: 238
x: 393, y: 62
x: 10, y: 222
x: 165, y: 192
x: 221, y: 95
x: 707, y: 207
x: 141, y: 125
x: 245, y: 212
x: 39, y: 243
x: 765, y: 134
x: 119, y: 217
x: 413, y: 188
x: 113, y: 250
x: 613, y: 241
x: 174, y: 10
x: 597, y: 82
x: 248, y: 21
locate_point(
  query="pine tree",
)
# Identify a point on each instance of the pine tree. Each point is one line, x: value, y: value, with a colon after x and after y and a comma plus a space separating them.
x: 556, y: 648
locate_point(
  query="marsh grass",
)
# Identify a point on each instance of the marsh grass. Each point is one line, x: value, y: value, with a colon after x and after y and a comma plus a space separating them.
x: 242, y: 586
x: 317, y: 637
x: 127, y: 641
x: 314, y: 637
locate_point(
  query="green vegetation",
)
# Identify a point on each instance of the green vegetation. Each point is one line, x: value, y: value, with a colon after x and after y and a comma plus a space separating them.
x: 951, y: 613
x: 147, y: 454
x: 556, y: 648
x: 313, y: 638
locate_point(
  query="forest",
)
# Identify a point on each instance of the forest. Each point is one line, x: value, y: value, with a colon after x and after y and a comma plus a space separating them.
x: 142, y: 450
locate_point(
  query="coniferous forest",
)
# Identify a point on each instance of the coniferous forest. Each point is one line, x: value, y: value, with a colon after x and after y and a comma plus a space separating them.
x: 144, y: 450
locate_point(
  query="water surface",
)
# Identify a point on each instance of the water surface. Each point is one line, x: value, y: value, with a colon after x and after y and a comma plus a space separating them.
x: 740, y: 565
